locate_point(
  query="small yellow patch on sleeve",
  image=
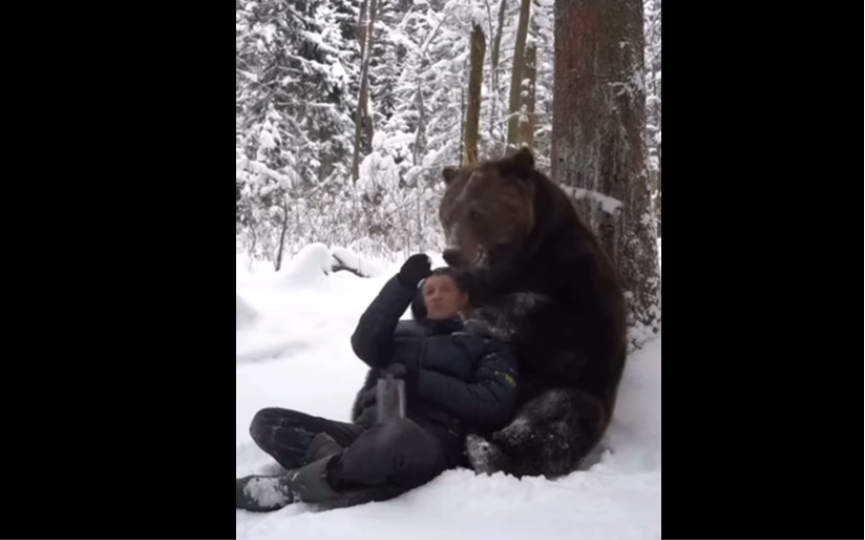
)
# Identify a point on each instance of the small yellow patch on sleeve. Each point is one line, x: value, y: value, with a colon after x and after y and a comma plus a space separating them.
x: 510, y: 380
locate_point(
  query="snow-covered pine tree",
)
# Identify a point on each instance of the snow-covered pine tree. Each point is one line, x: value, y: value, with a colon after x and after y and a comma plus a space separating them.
x: 292, y: 116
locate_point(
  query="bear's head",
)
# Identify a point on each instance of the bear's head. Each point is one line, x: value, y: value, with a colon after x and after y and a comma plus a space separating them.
x: 487, y: 210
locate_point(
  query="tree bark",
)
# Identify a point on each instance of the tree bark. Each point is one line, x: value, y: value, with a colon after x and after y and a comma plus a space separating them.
x: 658, y: 199
x: 283, y: 229
x: 463, y: 123
x: 361, y: 26
x: 420, y: 137
x: 656, y: 67
x: 517, y: 78
x: 598, y: 148
x: 527, y: 124
x: 473, y: 116
x: 494, y: 70
x: 363, y: 131
x: 497, y: 41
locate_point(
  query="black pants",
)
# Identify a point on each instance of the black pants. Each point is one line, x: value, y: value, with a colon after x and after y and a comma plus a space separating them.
x: 391, y: 458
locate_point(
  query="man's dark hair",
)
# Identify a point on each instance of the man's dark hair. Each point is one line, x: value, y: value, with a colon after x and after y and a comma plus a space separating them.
x: 461, y: 279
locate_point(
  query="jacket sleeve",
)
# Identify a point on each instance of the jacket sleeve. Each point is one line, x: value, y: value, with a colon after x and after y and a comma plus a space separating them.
x: 372, y: 340
x: 489, y: 401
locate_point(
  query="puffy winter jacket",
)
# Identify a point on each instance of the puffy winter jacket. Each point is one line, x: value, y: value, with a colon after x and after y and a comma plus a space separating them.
x: 456, y: 380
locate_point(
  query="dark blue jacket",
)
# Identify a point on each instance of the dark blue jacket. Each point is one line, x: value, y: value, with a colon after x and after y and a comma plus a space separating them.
x: 458, y: 381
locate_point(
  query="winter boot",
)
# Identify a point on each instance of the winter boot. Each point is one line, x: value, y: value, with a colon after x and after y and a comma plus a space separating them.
x: 258, y: 493
x: 322, y: 446
x: 309, y: 483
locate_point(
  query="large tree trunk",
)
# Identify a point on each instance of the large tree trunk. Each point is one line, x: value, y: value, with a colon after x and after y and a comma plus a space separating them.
x: 598, y: 148
x: 653, y: 111
x: 517, y: 78
x: 656, y: 70
x: 473, y: 116
x: 527, y: 124
x: 363, y: 130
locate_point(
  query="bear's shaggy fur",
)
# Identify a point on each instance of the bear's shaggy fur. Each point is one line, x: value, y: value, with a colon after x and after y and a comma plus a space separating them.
x: 550, y: 289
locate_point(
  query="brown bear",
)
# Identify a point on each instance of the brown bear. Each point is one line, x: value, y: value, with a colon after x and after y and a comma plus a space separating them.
x: 548, y: 287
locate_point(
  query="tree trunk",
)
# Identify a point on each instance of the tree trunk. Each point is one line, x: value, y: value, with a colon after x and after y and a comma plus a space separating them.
x: 420, y: 137
x: 527, y: 125
x: 658, y: 199
x: 361, y: 26
x: 283, y: 229
x: 598, y: 149
x: 463, y: 123
x: 473, y: 116
x: 517, y: 78
x: 656, y: 69
x: 497, y: 42
x: 363, y: 130
x: 494, y: 70
x: 653, y: 112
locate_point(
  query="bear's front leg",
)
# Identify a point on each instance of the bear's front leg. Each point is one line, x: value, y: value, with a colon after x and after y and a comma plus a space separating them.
x: 550, y: 436
x: 510, y: 318
x: 484, y: 456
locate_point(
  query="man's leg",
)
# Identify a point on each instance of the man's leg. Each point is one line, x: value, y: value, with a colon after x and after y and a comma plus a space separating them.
x: 293, y: 439
x: 286, y: 434
x: 383, y: 462
x: 399, y: 453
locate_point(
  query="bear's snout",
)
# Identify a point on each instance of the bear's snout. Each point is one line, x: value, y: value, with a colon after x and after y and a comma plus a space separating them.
x: 452, y: 256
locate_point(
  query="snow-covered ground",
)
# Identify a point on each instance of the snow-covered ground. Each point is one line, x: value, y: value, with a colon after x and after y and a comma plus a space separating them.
x: 293, y: 351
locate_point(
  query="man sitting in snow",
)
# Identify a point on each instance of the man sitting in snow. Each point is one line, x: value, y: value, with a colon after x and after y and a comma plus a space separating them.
x: 455, y: 383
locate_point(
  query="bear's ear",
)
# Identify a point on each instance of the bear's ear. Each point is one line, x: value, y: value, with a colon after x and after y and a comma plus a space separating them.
x: 449, y: 173
x: 524, y: 161
x: 520, y: 165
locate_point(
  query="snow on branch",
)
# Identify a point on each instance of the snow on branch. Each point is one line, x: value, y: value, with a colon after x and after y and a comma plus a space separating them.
x: 608, y: 204
x: 345, y: 261
x: 259, y: 168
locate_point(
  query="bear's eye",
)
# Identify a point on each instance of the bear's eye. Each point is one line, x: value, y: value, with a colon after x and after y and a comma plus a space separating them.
x: 475, y: 214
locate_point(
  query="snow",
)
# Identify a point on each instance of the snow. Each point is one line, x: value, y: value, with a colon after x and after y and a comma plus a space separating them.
x: 480, y: 17
x: 313, y: 37
x: 338, y: 72
x: 266, y: 491
x: 268, y: 32
x: 341, y: 255
x: 309, y: 267
x: 266, y: 140
x: 296, y: 354
x: 244, y: 314
x: 608, y: 204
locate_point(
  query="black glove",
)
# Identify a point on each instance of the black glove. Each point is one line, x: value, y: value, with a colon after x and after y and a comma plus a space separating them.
x: 416, y: 268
